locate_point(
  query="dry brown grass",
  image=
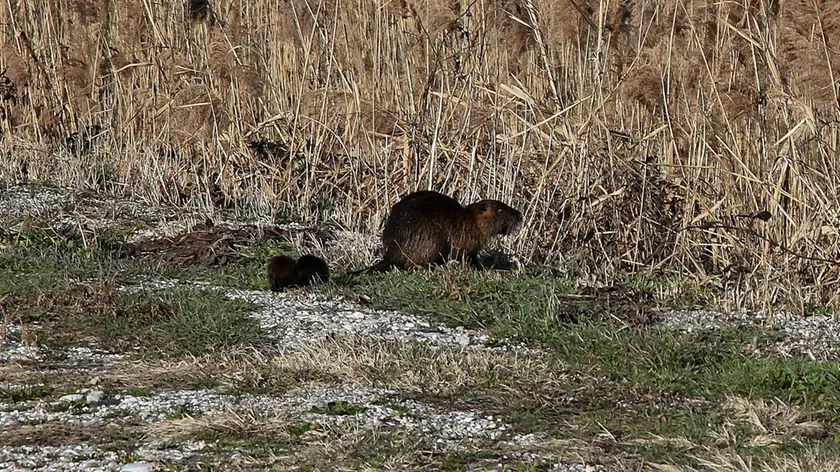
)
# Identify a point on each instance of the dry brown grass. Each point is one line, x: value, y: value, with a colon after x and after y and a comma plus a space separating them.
x: 807, y: 463
x: 623, y: 128
x: 756, y: 424
x: 415, y: 367
x: 774, y: 422
x: 412, y: 367
x: 53, y: 434
x: 242, y: 424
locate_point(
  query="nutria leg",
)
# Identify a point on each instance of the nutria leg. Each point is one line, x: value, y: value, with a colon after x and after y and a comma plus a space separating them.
x: 475, y: 262
x: 446, y: 252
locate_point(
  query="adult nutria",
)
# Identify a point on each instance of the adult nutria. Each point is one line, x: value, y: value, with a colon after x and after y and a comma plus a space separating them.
x: 427, y: 228
x: 285, y: 271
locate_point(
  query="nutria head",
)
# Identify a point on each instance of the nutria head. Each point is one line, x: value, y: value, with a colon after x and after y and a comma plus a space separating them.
x: 281, y: 272
x: 494, y: 217
x: 311, y: 269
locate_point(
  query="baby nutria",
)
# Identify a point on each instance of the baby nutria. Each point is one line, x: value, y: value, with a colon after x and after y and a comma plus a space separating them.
x: 312, y: 269
x: 281, y: 272
x: 285, y: 271
x: 427, y: 228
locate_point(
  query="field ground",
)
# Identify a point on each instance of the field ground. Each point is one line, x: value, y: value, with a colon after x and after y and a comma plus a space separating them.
x: 121, y: 349
x: 671, y: 158
x: 698, y: 137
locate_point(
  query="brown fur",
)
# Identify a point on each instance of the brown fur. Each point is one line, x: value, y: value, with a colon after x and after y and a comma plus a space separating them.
x: 427, y: 228
x: 311, y: 269
x: 286, y: 272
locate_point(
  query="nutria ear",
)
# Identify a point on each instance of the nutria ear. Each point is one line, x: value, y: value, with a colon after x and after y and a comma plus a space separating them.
x: 483, y: 207
x: 486, y: 210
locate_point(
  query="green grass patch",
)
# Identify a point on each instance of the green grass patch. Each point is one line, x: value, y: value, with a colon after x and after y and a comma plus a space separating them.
x: 39, y: 247
x: 247, y: 271
x: 297, y: 430
x: 25, y: 393
x: 704, y: 365
x: 635, y: 388
x: 41, y: 237
x: 72, y: 300
x: 139, y: 392
x: 473, y: 299
x: 595, y: 337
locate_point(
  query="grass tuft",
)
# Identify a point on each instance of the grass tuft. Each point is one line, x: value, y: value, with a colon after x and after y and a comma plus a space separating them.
x: 49, y: 295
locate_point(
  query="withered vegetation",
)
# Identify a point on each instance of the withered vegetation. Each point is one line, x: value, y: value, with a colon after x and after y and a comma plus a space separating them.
x: 634, y: 134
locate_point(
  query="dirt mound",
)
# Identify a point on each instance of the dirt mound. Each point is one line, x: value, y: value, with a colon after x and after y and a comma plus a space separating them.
x: 206, y: 244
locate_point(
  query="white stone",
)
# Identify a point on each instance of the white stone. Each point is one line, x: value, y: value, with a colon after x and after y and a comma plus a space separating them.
x: 462, y: 340
x: 94, y: 396
x: 137, y: 467
x: 73, y: 397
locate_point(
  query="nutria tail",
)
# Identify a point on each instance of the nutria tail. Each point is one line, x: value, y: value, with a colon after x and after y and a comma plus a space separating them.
x: 282, y: 272
x: 312, y: 269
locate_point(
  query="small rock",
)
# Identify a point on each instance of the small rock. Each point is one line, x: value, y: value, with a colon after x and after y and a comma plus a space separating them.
x: 193, y: 446
x: 73, y: 397
x: 137, y: 467
x: 94, y: 396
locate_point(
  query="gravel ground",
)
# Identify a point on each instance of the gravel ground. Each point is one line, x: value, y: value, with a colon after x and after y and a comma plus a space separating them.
x: 13, y: 350
x: 294, y: 319
x: 376, y: 409
x: 813, y: 337
x: 67, y: 210
x: 380, y: 408
x: 291, y: 319
x: 83, y: 457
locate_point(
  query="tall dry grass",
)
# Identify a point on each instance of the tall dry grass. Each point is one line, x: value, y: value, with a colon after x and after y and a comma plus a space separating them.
x: 632, y: 132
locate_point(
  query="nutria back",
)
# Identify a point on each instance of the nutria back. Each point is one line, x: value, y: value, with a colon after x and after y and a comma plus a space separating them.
x: 285, y: 271
x: 311, y: 269
x: 428, y: 227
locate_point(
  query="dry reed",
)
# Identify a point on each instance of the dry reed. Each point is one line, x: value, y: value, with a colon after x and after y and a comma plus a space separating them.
x: 632, y: 132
